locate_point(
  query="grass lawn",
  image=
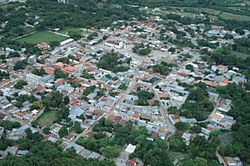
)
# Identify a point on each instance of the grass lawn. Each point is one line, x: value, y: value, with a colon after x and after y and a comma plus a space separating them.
x: 47, y: 118
x: 42, y: 36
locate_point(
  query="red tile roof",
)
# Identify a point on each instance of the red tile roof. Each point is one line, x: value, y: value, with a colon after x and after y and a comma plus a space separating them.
x: 40, y: 88
x: 211, y: 83
x: 112, y: 42
x: 142, y: 78
x: 48, y: 71
x: 59, y: 83
x: 224, y: 82
x: 132, y: 163
x: 151, y: 101
x: 74, y: 101
x: 111, y: 118
x: 136, y: 115
x: 182, y: 74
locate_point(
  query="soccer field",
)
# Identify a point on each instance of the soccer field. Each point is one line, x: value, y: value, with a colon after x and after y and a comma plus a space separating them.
x: 42, y: 36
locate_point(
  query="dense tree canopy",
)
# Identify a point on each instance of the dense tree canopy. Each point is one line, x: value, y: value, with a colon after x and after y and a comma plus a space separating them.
x: 46, y: 153
x: 112, y: 62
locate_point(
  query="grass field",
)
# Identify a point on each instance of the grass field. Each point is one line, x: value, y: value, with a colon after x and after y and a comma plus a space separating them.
x: 42, y: 36
x: 47, y: 118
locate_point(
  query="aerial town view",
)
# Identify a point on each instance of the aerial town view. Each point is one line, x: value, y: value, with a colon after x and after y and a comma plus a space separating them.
x: 124, y: 83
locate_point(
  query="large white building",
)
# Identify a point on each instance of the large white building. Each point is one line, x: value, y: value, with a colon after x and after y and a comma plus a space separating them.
x: 114, y: 44
x: 63, y: 1
x: 34, y: 79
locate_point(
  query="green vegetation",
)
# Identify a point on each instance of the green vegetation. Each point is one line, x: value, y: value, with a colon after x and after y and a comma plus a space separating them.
x: 60, y: 74
x: 86, y: 75
x: 150, y: 152
x: 77, y: 127
x: 197, y: 104
x: 9, y: 125
x: 112, y: 62
x: 122, y: 87
x: 22, y: 98
x: 20, y: 84
x: 141, y: 49
x: 231, y: 16
x: 20, y: 65
x: 42, y: 36
x: 240, y: 98
x: 226, y: 57
x: 63, y: 131
x: 143, y: 97
x: 199, y: 150
x: 63, y: 60
x: 241, y: 112
x: 47, y: 118
x: 4, y: 75
x: 89, y: 90
x: 163, y: 68
x: 55, y: 109
x: 46, y: 153
x: 39, y: 72
x: 182, y: 126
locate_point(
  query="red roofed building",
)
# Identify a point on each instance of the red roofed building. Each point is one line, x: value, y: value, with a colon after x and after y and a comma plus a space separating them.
x: 224, y: 82
x: 114, y: 44
x: 69, y: 70
x: 136, y: 115
x: 49, y: 71
x: 59, y: 83
x: 182, y: 74
x: 74, y: 101
x: 111, y: 118
x: 90, y: 68
x: 79, y: 55
x: 142, y: 78
x: 132, y: 163
x: 150, y: 24
x: 220, y: 68
x: 45, y: 55
x: 59, y: 64
x: 76, y: 80
x: 40, y: 88
x: 211, y: 83
x: 43, y: 46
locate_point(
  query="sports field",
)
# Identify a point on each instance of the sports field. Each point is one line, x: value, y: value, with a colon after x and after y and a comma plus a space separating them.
x: 42, y: 36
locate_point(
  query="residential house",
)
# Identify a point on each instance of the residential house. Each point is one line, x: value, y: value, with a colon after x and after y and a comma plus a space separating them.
x: 232, y: 161
x: 54, y: 130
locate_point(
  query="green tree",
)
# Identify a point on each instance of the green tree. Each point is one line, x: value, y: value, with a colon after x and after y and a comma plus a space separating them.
x: 63, y: 132
x: 20, y: 84
x: 182, y: 126
x: 111, y: 151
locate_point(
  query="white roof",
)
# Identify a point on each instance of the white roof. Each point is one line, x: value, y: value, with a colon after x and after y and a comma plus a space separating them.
x: 130, y: 148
